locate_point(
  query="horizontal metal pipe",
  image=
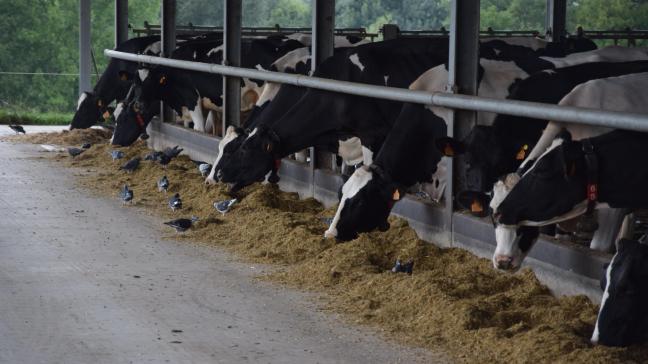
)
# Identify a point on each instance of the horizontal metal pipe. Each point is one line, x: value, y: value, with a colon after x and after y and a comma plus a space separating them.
x: 613, y: 119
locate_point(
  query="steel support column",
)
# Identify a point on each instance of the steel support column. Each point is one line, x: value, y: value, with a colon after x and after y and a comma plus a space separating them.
x: 84, y: 46
x: 556, y: 19
x: 232, y: 57
x: 463, y: 59
x: 168, y: 44
x: 121, y: 21
x: 323, y: 25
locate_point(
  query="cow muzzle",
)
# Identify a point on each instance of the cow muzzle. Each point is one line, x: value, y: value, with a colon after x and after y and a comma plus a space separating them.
x: 504, y: 262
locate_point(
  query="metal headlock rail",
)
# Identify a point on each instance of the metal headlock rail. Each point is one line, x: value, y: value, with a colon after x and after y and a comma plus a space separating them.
x: 612, y: 119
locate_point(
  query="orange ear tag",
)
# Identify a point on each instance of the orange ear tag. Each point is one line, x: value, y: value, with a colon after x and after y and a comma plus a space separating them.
x: 476, y: 207
x: 521, y: 154
x: 448, y: 151
x: 162, y: 80
x: 106, y: 115
x: 396, y: 195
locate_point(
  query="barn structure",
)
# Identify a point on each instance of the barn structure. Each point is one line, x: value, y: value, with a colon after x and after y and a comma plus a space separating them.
x: 319, y: 178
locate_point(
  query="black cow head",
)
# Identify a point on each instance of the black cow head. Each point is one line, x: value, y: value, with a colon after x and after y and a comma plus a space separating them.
x: 231, y: 142
x: 89, y: 110
x: 623, y: 314
x: 546, y: 193
x: 367, y: 199
x: 252, y: 161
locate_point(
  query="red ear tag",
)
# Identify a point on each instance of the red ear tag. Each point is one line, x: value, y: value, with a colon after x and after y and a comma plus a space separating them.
x: 592, y: 191
x: 277, y: 164
x: 140, y: 120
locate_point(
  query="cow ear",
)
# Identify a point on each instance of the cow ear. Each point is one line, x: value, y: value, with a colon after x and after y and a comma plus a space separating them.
x: 450, y: 147
x: 124, y: 76
x: 475, y: 201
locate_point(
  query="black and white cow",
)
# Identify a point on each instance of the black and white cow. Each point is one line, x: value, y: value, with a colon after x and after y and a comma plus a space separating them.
x: 114, y: 82
x: 187, y: 92
x: 267, y: 109
x: 623, y: 315
x: 521, y: 202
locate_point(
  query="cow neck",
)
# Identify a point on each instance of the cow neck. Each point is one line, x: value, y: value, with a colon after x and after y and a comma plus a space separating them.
x: 591, y: 163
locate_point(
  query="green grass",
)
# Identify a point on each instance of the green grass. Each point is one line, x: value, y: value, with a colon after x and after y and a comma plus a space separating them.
x: 34, y: 117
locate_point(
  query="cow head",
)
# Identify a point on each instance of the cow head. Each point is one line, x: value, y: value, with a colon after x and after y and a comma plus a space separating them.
x: 623, y: 314
x: 230, y: 143
x: 552, y: 190
x: 367, y: 199
x: 89, y: 110
x: 130, y: 123
x: 252, y: 161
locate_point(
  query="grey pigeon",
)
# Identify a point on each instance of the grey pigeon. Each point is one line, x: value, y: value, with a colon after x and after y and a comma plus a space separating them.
x: 131, y: 165
x: 153, y: 156
x: 17, y: 128
x: 224, y: 206
x: 172, y: 152
x: 126, y: 194
x: 116, y: 154
x: 204, y: 169
x: 407, y: 267
x: 86, y: 145
x: 75, y: 151
x: 181, y: 225
x: 163, y: 184
x: 175, y: 202
x: 164, y: 160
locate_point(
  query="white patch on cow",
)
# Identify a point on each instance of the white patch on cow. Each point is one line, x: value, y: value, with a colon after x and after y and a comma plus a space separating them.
x: 82, y: 97
x: 495, y: 82
x: 252, y: 133
x: 154, y: 48
x: 197, y: 116
x: 386, y: 79
x: 194, y: 55
x: 210, y: 125
x: 302, y: 38
x: 230, y: 135
x: 501, y: 189
x: 207, y: 103
x: 606, y: 295
x: 436, y: 187
x: 507, y: 245
x: 292, y: 58
x: 268, y: 94
x: 529, y: 42
x: 143, y: 73
x: 367, y: 156
x: 606, y: 54
x: 343, y: 41
x: 215, y: 50
x: 259, y: 67
x: 350, y: 151
x: 250, y: 92
x: 118, y: 110
x: 355, y: 183
x: 550, y: 71
x: 355, y: 59
x: 497, y: 51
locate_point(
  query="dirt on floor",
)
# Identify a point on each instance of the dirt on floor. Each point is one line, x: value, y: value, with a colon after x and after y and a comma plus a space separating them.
x: 453, y: 301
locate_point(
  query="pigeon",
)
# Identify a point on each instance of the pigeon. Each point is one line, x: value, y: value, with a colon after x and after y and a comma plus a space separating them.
x: 164, y: 160
x: 326, y: 220
x: 204, y: 169
x: 181, y: 225
x: 197, y: 163
x: 153, y: 156
x: 175, y: 202
x: 126, y: 194
x: 86, y: 145
x: 172, y: 152
x: 116, y: 154
x: 399, y: 267
x: 131, y: 165
x: 17, y: 128
x: 224, y: 206
x: 163, y: 184
x: 75, y: 151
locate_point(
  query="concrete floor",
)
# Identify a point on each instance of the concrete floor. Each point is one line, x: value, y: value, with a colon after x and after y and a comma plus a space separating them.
x: 84, y: 280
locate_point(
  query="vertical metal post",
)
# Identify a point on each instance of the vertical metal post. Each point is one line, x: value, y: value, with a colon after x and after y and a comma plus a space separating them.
x: 556, y: 19
x: 323, y: 25
x: 84, y: 46
x: 168, y: 44
x: 232, y: 57
x: 121, y: 21
x: 390, y: 31
x: 463, y: 60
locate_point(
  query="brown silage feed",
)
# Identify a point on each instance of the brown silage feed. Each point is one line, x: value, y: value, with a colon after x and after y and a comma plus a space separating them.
x: 74, y: 137
x: 454, y: 301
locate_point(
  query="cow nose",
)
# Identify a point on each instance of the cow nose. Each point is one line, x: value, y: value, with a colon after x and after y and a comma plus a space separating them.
x: 503, y: 262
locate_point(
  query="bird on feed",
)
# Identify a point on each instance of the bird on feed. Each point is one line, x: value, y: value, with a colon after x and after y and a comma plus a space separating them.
x: 131, y: 165
x: 117, y: 154
x: 75, y: 151
x: 181, y: 225
x: 204, y: 169
x: 153, y: 156
x: 126, y: 194
x: 172, y: 152
x: 163, y: 184
x: 17, y: 128
x: 224, y: 206
x: 175, y: 202
x: 164, y: 160
x: 86, y: 145
x: 399, y: 267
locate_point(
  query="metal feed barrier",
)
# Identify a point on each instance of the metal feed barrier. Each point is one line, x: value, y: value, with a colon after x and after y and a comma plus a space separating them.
x: 427, y: 218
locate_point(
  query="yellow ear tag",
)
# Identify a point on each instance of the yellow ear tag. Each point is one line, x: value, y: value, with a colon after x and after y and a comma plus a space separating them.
x: 476, y: 206
x: 448, y: 151
x: 396, y: 195
x: 162, y: 80
x: 521, y: 154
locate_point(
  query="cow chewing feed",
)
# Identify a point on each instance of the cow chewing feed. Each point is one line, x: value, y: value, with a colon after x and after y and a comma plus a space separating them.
x: 623, y: 315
